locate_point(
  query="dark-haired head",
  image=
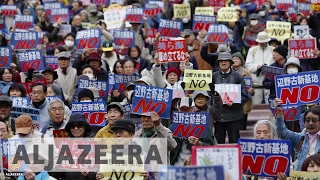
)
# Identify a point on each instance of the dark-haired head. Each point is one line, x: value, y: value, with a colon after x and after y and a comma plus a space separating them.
x: 85, y: 67
x: 49, y: 36
x: 311, y: 119
x: 129, y: 66
x: 44, y: 87
x: 18, y: 90
x: 311, y: 163
x: 6, y: 74
x: 118, y: 67
x: 58, y: 49
x: 134, y: 52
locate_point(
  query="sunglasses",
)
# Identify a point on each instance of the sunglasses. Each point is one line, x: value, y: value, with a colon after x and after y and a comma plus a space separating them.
x: 73, y: 126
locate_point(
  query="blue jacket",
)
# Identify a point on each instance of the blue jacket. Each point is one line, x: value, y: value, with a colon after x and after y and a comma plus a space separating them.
x: 251, y: 9
x: 44, y: 114
x: 4, y: 87
x: 155, y: 21
x: 295, y: 138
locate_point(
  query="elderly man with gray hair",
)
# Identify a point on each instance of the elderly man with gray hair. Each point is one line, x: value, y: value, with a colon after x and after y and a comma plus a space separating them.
x: 57, y: 119
x: 264, y: 129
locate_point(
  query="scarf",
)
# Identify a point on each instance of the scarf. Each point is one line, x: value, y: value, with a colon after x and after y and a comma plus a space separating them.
x: 56, y: 125
x: 146, y: 135
x: 38, y: 104
x: 239, y: 70
x: 43, y: 175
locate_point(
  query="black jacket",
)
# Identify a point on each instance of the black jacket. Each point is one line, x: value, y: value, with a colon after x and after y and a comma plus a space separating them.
x: 235, y: 112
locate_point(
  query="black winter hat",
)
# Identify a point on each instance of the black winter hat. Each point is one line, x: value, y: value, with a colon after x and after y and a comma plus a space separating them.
x: 85, y: 93
x: 49, y: 69
x: 282, y: 50
x: 124, y: 124
x: 79, y: 118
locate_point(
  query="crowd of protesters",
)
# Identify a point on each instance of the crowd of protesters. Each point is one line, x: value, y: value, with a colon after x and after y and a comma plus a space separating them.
x: 250, y: 49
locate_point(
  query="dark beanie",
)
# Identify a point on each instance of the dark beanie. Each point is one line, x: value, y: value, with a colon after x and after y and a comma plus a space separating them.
x: 85, y: 93
x: 237, y: 54
x: 282, y: 50
x: 174, y: 70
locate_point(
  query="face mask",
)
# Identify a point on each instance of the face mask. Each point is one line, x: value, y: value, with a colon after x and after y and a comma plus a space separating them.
x: 190, y: 48
x: 90, y: 76
x: 262, y: 13
x: 69, y: 43
x: 129, y: 94
x: 86, y: 101
x: 253, y: 22
x: 292, y: 70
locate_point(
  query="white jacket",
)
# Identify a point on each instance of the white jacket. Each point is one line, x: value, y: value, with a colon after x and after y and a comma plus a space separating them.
x: 67, y: 82
x: 258, y: 56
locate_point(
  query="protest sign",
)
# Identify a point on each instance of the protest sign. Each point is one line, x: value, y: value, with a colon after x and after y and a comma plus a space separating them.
x: 229, y: 92
x: 218, y: 33
x: 290, y: 113
x: 159, y: 3
x: 181, y: 10
x: 24, y: 40
x: 64, y: 29
x: 52, y: 61
x: 4, y: 150
x: 271, y: 71
x: 278, y: 30
x: 127, y: 110
x: 151, y: 10
x: 170, y: 28
x: 31, y: 59
x: 60, y: 133
x: 229, y: 156
x: 5, y: 57
x: 292, y: 13
x: 206, y: 11
x: 8, y: 10
x: 303, y: 175
x: 23, y: 22
x: 86, y: 2
x: 126, y: 38
x: 100, y: 2
x: 134, y: 15
x: 190, y: 124
x: 75, y: 154
x: 315, y: 6
x: 34, y: 113
x: 2, y: 25
x: 40, y: 37
x: 298, y: 89
x: 102, y: 86
x: 150, y: 98
x: 178, y: 93
x: 197, y: 79
x: 227, y: 14
x: 302, y: 48
x: 217, y: 4
x: 88, y: 38
x: 248, y: 81
x: 301, y: 30
x: 53, y: 5
x: 265, y: 157
x: 20, y: 101
x: 118, y: 2
x: 114, y: 17
x: 120, y: 81
x: 12, y: 148
x: 284, y: 5
x: 28, y: 85
x: 127, y: 170
x: 111, y: 83
x: 61, y: 14
x: 94, y: 111
x: 172, y: 50
x: 304, y: 8
x: 151, y: 35
x: 195, y: 172
x: 201, y: 22
x: 50, y: 98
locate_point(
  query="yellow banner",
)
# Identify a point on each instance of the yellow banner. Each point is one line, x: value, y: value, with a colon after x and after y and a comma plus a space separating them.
x: 208, y: 11
x: 181, y: 10
x: 279, y: 30
x: 302, y: 175
x: 85, y: 25
x: 122, y: 171
x: 114, y: 6
x: 227, y: 14
x: 197, y: 79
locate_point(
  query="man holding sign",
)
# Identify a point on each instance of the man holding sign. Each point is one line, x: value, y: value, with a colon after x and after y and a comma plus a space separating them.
x: 233, y: 91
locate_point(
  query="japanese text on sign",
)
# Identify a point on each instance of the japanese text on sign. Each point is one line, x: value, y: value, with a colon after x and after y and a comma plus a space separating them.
x: 170, y: 28
x: 20, y: 101
x: 229, y: 92
x: 278, y: 30
x: 53, y: 5
x: 181, y: 10
x: 196, y: 172
x: 227, y: 14
x: 218, y: 34
x: 172, y: 50
x: 302, y: 48
x: 201, y: 22
x: 5, y: 56
x: 208, y: 11
x: 197, y: 79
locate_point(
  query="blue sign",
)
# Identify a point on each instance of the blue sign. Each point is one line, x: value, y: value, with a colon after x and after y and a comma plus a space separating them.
x: 190, y: 124
x: 50, y: 98
x: 94, y: 111
x: 12, y: 146
x: 248, y: 82
x: 61, y: 14
x: 170, y: 28
x: 126, y: 38
x: 120, y: 81
x: 127, y: 110
x: 5, y: 57
x: 31, y: 59
x: 149, y: 98
x: 298, y: 89
x: 90, y: 38
x: 191, y: 172
x: 53, y: 5
x: 34, y: 113
x: 271, y: 71
x: 52, y: 61
x: 23, y: 22
x: 20, y: 101
x: 290, y: 113
x: 24, y: 40
x: 134, y: 15
x: 201, y: 22
x: 111, y: 83
x: 218, y: 33
x: 102, y: 87
x: 229, y: 92
x: 4, y: 149
x: 265, y: 157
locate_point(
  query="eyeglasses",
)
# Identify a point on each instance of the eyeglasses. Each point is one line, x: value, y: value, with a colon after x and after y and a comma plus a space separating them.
x: 127, y: 67
x: 313, y: 120
x: 36, y: 92
x: 73, y: 126
x: 57, y: 108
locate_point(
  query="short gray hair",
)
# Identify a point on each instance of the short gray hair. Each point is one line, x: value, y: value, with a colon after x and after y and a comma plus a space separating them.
x: 55, y: 100
x: 268, y: 123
